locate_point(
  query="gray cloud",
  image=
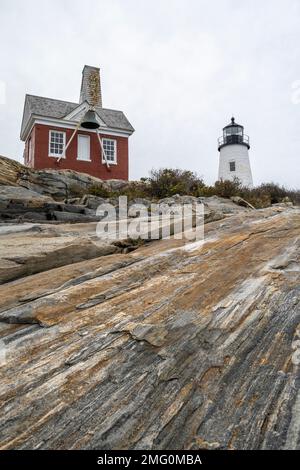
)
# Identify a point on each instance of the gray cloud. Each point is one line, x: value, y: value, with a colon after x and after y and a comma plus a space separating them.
x: 178, y: 69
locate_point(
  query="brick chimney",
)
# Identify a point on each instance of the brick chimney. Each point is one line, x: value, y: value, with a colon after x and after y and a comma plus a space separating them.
x: 91, y: 86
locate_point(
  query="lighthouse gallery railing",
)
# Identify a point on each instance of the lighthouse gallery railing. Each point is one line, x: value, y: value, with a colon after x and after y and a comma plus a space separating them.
x: 233, y: 139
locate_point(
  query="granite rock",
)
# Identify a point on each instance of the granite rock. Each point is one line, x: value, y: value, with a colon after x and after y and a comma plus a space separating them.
x: 177, y: 345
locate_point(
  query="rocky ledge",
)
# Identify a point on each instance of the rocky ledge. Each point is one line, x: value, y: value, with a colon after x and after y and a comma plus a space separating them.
x: 174, y: 346
x: 47, y: 196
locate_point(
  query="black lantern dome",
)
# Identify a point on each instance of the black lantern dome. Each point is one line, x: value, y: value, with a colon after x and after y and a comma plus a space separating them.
x: 233, y: 134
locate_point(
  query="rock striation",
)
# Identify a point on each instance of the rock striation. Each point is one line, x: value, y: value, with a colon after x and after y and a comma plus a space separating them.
x: 176, y: 345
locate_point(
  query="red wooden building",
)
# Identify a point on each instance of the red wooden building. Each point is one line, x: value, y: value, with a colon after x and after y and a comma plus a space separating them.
x: 54, y: 138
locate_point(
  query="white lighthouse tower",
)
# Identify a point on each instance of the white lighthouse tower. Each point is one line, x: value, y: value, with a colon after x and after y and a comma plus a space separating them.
x: 234, y: 156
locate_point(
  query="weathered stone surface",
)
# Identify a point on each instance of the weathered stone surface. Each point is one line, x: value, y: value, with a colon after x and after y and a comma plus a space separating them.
x: 242, y: 202
x: 73, y: 217
x: 38, y: 195
x: 58, y: 184
x: 175, y: 346
x: 92, y: 202
x: 115, y: 185
x: 140, y: 201
x: 19, y: 195
x: 17, y: 204
x: 223, y: 205
x: 38, y: 248
x: 177, y: 199
x: 10, y: 171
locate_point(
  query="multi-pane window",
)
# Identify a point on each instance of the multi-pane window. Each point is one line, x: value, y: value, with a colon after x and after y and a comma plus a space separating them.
x: 232, y: 166
x: 57, y: 142
x: 110, y: 149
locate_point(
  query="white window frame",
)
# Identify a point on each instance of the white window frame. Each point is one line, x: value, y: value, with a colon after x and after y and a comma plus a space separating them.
x: 110, y: 162
x: 89, y: 140
x: 56, y: 155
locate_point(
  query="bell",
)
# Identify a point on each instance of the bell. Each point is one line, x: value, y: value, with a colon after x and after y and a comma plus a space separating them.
x: 89, y: 121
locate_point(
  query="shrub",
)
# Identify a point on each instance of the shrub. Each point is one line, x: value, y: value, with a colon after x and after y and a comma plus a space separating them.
x: 136, y: 190
x: 227, y: 188
x: 99, y: 190
x: 205, y: 191
x: 294, y: 196
x: 274, y: 191
x: 77, y: 190
x: 254, y: 197
x: 267, y: 194
x: 167, y: 182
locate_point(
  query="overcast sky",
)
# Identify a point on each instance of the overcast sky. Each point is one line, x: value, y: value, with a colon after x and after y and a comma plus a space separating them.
x: 178, y: 69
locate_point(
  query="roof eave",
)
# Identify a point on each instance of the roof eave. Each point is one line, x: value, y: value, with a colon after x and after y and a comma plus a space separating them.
x: 35, y: 117
x: 25, y: 131
x: 23, y: 117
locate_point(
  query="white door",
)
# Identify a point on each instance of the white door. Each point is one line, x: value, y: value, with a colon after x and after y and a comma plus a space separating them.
x: 84, y: 147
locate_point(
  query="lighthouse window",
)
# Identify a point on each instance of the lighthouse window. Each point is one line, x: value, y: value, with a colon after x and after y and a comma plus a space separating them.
x: 232, y: 166
x: 234, y: 131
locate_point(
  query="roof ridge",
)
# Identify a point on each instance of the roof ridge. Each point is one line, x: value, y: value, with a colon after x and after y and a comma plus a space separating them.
x: 72, y: 102
x: 52, y: 99
x: 110, y: 109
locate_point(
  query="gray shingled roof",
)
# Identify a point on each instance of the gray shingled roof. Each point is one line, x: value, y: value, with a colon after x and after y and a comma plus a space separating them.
x: 48, y: 107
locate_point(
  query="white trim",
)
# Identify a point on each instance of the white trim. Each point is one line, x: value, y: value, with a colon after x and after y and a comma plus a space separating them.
x: 80, y: 107
x: 83, y: 107
x: 115, y: 161
x: 30, y: 150
x: 56, y: 155
x: 89, y: 140
x: 71, y: 125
